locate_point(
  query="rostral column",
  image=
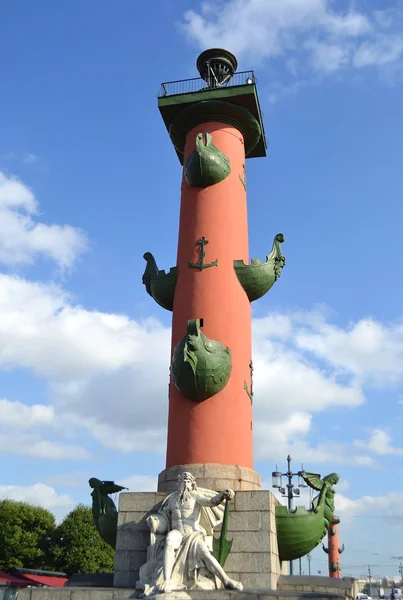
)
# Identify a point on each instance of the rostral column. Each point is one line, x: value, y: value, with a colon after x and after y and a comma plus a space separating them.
x: 214, y: 123
x: 333, y: 549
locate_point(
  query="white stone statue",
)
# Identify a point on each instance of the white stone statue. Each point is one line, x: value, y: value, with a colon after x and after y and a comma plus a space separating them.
x: 180, y: 551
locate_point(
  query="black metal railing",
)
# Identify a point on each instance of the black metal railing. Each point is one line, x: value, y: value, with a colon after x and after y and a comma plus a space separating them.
x: 197, y: 84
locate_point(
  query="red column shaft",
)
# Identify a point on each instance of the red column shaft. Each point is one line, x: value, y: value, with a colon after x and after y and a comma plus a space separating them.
x: 334, y: 554
x: 219, y: 429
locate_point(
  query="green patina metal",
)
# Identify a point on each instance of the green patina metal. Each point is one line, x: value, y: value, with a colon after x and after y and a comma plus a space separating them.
x: 257, y: 278
x: 245, y: 385
x: 176, y: 107
x: 206, y: 111
x: 207, y: 165
x: 340, y: 550
x: 104, y: 510
x: 246, y: 388
x: 201, y: 264
x: 300, y: 530
x: 243, y: 178
x: 222, y: 546
x: 200, y: 367
x: 160, y: 285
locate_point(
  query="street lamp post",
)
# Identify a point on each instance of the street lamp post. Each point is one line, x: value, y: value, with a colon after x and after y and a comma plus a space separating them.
x: 291, y: 490
x: 309, y: 557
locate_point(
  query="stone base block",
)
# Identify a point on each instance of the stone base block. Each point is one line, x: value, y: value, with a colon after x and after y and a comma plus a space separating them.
x: 254, y: 556
x: 211, y: 476
x: 296, y: 584
x: 125, y: 594
x: 133, y: 535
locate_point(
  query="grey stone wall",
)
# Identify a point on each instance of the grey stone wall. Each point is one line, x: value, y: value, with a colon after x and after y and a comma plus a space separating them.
x: 344, y: 586
x: 211, y: 476
x: 254, y: 556
x: 125, y: 594
x: 133, y: 535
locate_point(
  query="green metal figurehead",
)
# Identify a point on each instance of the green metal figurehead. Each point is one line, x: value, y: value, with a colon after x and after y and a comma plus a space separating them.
x: 200, y: 367
x: 207, y: 165
x: 104, y: 510
x: 299, y: 531
x: 257, y: 278
x: 160, y: 285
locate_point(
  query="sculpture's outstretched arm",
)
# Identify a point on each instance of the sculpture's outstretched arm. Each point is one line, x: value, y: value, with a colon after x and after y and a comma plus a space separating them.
x: 215, y: 500
x: 110, y: 487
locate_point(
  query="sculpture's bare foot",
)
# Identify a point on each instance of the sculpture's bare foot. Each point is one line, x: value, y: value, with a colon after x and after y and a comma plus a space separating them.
x: 165, y: 587
x: 231, y: 584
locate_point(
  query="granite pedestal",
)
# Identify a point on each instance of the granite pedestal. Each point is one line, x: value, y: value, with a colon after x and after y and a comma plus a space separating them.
x: 125, y: 594
x: 253, y: 559
x: 211, y: 476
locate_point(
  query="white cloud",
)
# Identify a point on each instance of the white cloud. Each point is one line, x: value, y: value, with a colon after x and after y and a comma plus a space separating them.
x: 105, y: 370
x: 368, y: 349
x: 343, y: 486
x: 260, y: 29
x: 308, y: 387
x: 278, y: 438
x: 108, y: 374
x: 387, y: 506
x: 140, y: 483
x: 17, y: 418
x: 21, y: 416
x: 278, y: 90
x: 327, y: 57
x: 15, y: 195
x: 379, y: 443
x: 41, y: 330
x: 380, y: 52
x: 266, y: 28
x: 38, y: 494
x: 140, y: 433
x: 22, y: 237
x: 75, y: 479
x: 31, y: 444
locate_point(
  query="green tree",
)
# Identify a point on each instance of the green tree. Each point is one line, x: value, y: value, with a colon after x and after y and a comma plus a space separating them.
x: 77, y: 546
x: 25, y: 535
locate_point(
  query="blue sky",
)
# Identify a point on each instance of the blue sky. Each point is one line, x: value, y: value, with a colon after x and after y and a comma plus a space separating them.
x: 89, y: 182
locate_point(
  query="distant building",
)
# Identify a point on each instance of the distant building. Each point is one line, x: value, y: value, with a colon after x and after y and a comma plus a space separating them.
x: 10, y: 583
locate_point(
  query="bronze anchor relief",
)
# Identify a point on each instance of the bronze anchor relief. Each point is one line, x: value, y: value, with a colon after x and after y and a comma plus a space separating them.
x: 201, y: 264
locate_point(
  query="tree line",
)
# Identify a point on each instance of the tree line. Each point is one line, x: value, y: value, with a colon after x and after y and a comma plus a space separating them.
x: 31, y: 539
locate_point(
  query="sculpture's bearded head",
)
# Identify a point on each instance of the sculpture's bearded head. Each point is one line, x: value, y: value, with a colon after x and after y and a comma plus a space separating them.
x: 333, y: 478
x: 186, y: 485
x: 94, y: 482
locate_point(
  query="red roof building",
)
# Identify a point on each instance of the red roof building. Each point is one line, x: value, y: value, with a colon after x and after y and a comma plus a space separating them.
x: 8, y: 579
x: 28, y: 577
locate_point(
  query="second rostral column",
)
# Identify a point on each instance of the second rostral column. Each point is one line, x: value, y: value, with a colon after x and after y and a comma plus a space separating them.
x: 214, y: 123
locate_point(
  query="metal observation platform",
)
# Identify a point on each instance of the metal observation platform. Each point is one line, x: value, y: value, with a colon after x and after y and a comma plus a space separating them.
x: 220, y: 92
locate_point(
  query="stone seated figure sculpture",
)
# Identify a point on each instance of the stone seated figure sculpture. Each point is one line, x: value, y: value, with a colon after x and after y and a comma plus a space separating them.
x: 181, y: 535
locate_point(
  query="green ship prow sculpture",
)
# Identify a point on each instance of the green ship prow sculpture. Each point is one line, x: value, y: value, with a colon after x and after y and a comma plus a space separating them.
x: 300, y: 530
x: 257, y: 278
x: 104, y: 510
x: 160, y: 285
